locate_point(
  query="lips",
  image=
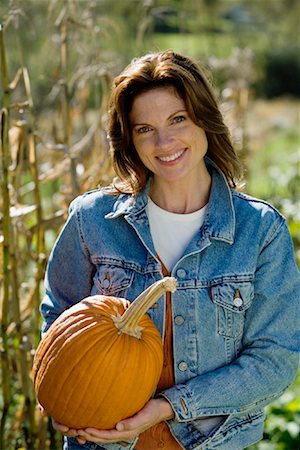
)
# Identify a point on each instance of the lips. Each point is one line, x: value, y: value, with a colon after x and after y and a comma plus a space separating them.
x: 171, y: 158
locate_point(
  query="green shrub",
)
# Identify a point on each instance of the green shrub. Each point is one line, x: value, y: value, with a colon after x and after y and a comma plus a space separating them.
x: 280, y: 72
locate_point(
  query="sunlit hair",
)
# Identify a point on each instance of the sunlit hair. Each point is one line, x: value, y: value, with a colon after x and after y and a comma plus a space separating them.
x: 166, y: 69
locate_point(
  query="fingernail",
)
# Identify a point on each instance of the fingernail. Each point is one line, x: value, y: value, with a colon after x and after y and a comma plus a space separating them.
x: 120, y: 427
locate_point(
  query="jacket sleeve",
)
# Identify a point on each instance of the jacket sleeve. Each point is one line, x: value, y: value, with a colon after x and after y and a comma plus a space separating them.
x: 269, y: 360
x: 69, y: 271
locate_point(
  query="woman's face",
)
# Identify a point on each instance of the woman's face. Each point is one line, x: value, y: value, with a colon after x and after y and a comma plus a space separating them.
x: 167, y: 141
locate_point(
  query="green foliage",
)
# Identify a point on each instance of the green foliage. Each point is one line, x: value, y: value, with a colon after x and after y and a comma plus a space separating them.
x: 274, y: 174
x: 280, y: 72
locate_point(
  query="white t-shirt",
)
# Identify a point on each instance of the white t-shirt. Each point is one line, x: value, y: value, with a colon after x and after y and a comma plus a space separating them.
x: 172, y: 232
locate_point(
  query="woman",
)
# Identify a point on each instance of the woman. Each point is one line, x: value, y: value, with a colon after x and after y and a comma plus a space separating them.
x: 230, y: 329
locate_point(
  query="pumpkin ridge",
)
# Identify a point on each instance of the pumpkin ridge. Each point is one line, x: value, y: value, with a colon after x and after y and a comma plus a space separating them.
x: 51, y: 383
x: 60, y: 325
x: 93, y: 370
x: 46, y: 358
x: 111, y: 336
x: 109, y: 392
x: 125, y: 396
x: 122, y: 397
x: 48, y: 345
x: 90, y: 337
x: 120, y: 338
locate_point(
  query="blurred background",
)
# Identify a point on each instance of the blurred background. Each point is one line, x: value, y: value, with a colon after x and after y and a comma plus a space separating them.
x: 58, y: 59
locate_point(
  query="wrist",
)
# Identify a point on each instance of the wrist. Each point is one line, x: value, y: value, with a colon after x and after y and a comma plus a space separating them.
x: 165, y: 408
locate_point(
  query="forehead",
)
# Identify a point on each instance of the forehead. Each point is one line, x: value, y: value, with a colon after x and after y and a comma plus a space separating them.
x: 151, y: 100
x: 167, y: 90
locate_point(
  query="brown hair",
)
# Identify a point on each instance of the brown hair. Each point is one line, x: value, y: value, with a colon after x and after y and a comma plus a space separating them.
x: 166, y: 69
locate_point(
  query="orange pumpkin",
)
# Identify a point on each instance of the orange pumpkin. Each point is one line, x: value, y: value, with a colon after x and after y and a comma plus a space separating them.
x: 100, y: 361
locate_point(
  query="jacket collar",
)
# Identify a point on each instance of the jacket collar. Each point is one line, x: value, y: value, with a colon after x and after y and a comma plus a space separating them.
x: 127, y: 204
x: 219, y: 222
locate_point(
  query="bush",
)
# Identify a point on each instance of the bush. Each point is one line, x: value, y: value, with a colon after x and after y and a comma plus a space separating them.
x: 280, y: 74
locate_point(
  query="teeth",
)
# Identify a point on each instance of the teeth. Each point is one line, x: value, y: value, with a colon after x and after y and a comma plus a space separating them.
x: 171, y: 157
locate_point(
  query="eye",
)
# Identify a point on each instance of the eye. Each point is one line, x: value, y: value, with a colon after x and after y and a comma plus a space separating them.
x: 144, y: 129
x: 178, y: 119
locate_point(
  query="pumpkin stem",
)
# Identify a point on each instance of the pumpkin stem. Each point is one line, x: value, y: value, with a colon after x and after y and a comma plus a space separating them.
x: 128, y: 322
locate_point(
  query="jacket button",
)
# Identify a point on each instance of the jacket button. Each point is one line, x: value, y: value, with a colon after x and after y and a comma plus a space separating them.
x: 182, y: 366
x: 179, y: 320
x: 181, y: 273
x: 106, y: 283
x: 237, y: 301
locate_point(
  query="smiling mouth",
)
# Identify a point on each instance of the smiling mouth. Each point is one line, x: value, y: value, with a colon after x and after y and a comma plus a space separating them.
x: 171, y: 158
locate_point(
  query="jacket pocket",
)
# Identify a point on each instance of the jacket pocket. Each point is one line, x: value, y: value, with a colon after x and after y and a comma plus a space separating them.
x: 112, y: 281
x: 238, y: 431
x: 232, y: 300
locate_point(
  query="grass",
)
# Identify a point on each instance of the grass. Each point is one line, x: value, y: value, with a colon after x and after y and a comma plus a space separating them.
x: 274, y: 164
x: 206, y: 45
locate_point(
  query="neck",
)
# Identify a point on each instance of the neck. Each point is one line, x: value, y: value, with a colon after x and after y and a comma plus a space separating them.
x: 181, y: 198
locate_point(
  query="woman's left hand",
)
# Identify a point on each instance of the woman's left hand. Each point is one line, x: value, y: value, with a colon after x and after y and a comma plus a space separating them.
x: 155, y: 411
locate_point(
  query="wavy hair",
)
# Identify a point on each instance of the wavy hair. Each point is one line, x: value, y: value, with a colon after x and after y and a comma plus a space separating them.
x: 193, y: 86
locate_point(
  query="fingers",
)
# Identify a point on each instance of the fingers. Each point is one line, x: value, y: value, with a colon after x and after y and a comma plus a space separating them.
x: 153, y: 412
x: 107, y: 436
x: 126, y: 430
x: 62, y: 428
x: 139, y: 422
x: 130, y: 425
x: 81, y: 440
x: 68, y: 432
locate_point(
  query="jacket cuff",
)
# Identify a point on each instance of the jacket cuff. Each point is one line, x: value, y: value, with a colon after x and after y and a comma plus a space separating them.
x: 181, y: 399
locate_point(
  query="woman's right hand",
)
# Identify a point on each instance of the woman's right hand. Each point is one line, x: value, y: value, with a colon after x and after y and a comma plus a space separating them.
x: 63, y: 429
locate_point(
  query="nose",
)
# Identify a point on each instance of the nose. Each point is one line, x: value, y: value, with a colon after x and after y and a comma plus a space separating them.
x: 164, y: 139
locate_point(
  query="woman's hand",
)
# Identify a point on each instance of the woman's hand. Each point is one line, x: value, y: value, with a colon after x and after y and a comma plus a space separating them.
x: 155, y: 411
x: 68, y: 432
x: 63, y: 429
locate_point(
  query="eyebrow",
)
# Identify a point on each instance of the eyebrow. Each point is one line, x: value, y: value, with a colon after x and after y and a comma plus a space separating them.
x: 168, y: 118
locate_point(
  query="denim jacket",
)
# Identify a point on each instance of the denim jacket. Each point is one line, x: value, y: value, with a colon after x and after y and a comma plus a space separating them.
x: 235, y: 310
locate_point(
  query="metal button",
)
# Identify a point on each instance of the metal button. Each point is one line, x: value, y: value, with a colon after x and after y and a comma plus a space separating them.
x: 181, y: 273
x: 237, y: 301
x: 179, y: 320
x: 182, y: 366
x: 106, y: 283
